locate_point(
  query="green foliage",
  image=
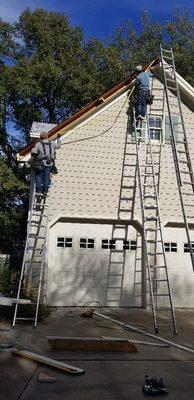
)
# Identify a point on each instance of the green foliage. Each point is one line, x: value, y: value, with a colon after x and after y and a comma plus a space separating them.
x: 12, y: 211
x: 48, y: 71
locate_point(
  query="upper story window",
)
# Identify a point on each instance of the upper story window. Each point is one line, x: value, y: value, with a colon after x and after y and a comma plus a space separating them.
x: 160, y: 128
x: 155, y: 125
x: 86, y: 243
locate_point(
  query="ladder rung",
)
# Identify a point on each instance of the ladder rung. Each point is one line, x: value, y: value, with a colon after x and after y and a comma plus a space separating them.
x: 152, y: 229
x: 34, y: 236
x: 127, y: 187
x: 151, y: 218
x: 126, y: 198
x: 155, y: 253
x: 186, y: 172
x: 150, y: 196
x: 121, y: 210
x: 38, y: 214
x: 25, y: 319
x: 151, y: 207
x: 159, y: 280
x: 172, y: 88
x: 167, y: 51
x: 114, y: 287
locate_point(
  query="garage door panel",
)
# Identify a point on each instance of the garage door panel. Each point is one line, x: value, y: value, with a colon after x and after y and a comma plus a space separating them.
x: 79, y: 280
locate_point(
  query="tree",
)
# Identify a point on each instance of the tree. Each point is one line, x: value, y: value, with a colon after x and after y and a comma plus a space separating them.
x: 52, y: 73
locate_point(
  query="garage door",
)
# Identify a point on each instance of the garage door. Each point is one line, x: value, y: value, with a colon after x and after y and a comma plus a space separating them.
x: 78, y: 265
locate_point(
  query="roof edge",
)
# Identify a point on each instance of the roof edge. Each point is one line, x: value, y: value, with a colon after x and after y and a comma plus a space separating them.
x: 94, y: 104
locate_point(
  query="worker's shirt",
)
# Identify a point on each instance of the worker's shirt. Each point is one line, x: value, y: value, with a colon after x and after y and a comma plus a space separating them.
x: 39, y: 149
x: 143, y: 80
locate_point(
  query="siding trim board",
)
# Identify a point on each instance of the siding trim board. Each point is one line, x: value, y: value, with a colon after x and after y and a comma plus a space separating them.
x: 104, y: 221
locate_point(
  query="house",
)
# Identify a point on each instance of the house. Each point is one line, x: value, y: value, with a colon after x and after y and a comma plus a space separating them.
x: 90, y: 218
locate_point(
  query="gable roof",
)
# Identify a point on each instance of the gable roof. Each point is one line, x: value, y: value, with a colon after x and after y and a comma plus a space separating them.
x: 52, y: 134
x: 186, y: 90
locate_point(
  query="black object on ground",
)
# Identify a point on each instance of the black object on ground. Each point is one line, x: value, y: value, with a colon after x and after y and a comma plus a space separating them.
x: 154, y: 386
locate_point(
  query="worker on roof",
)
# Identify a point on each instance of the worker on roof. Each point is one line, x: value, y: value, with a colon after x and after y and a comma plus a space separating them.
x: 43, y: 156
x: 143, y: 91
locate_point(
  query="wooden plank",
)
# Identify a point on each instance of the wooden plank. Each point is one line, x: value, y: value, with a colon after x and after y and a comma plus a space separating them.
x: 137, y: 342
x: 45, y: 378
x: 9, y: 301
x: 80, y: 343
x: 49, y: 362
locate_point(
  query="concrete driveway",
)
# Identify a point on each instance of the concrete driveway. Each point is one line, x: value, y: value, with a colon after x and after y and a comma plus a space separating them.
x: 109, y: 375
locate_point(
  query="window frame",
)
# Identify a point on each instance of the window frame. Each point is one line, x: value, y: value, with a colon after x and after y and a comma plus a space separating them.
x: 186, y: 247
x: 64, y: 241
x: 86, y: 243
x: 111, y: 244
x: 171, y: 246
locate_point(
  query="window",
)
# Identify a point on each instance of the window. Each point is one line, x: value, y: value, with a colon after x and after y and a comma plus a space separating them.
x: 170, y: 247
x: 86, y: 243
x: 108, y: 244
x: 186, y: 247
x: 64, y: 242
x: 133, y: 245
x: 60, y: 241
x: 129, y: 244
x: 125, y: 244
x: 155, y: 124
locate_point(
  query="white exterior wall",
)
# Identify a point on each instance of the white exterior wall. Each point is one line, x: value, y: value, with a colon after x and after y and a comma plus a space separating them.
x: 90, y: 164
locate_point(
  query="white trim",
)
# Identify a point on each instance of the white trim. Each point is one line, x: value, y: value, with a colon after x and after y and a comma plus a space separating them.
x: 96, y: 113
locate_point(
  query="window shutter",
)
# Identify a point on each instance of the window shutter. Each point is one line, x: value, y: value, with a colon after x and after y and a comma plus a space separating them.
x: 168, y: 132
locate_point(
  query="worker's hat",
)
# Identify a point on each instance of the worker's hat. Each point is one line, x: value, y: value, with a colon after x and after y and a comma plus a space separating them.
x: 138, y: 68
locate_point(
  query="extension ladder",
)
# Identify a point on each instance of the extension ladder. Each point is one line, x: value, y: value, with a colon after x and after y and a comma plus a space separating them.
x: 180, y: 148
x: 119, y: 239
x: 155, y: 258
x: 32, y: 270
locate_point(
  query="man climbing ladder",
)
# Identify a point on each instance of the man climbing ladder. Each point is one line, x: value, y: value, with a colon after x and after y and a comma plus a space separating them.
x: 43, y: 161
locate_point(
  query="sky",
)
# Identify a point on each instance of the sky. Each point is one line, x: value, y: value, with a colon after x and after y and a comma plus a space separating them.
x: 98, y: 17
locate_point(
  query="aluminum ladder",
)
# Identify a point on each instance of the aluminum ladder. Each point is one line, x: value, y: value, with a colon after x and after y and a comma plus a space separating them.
x: 119, y: 242
x: 155, y: 258
x: 180, y: 148
x: 32, y: 270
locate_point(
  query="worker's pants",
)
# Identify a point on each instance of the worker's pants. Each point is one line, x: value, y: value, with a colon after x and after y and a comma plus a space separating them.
x: 43, y: 180
x: 142, y: 102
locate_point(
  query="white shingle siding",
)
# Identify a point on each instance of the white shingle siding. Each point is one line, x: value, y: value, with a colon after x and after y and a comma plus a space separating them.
x: 90, y: 164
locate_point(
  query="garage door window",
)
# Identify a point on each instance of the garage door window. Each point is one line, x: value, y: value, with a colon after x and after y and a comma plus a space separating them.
x: 108, y: 244
x: 64, y: 242
x: 170, y: 247
x: 186, y: 247
x: 86, y: 243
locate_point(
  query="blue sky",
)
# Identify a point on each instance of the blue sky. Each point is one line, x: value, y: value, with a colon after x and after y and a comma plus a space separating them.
x: 97, y: 17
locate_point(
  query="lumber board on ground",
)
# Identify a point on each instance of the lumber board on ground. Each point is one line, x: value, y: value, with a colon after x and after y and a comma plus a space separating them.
x: 137, y: 342
x: 49, y: 362
x: 87, y: 343
x: 46, y: 378
x: 9, y: 301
